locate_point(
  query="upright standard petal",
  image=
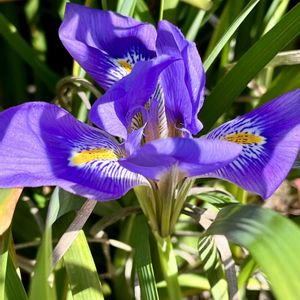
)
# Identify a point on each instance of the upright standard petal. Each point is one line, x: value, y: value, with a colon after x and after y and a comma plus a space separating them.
x: 115, y: 110
x: 184, y: 81
x: 106, y: 44
x: 192, y: 157
x: 41, y: 144
x: 270, y: 137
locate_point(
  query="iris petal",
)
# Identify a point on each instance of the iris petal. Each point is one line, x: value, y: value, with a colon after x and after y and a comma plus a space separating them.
x: 193, y: 157
x: 270, y: 137
x: 106, y: 44
x: 113, y: 111
x: 183, y: 100
x: 41, y: 144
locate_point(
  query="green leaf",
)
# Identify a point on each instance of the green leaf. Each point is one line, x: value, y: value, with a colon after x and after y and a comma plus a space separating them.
x: 82, y: 273
x: 246, y: 270
x: 62, y: 203
x: 210, y: 261
x: 126, y: 7
x: 202, y: 4
x: 272, y: 240
x: 142, y: 257
x: 11, y: 35
x: 230, y: 11
x: 122, y: 284
x: 229, y: 33
x: 40, y: 283
x: 4, y: 241
x: 190, y: 284
x: 142, y: 12
x: 195, y: 25
x: 11, y: 286
x: 248, y: 66
x: 286, y: 81
x: 279, y: 9
x: 218, y: 199
x: 8, y: 201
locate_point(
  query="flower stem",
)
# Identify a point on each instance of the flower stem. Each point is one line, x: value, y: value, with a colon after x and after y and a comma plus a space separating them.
x: 167, y: 186
x: 179, y: 201
x: 169, y: 267
x: 146, y: 202
x: 161, y: 10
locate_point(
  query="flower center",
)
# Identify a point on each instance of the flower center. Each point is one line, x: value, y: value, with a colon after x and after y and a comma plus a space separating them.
x: 125, y: 65
x: 85, y: 156
x: 244, y: 138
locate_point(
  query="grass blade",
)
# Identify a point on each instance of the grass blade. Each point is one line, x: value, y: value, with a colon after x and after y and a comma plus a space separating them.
x: 13, y: 286
x: 10, y: 283
x: 81, y: 270
x: 249, y: 65
x: 229, y: 33
x: 210, y: 261
x: 40, y: 286
x: 126, y: 7
x: 142, y: 258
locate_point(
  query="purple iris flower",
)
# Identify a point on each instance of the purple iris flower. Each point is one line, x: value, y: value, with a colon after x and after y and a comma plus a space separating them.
x: 42, y: 144
x: 268, y: 136
x: 270, y: 141
x: 155, y: 83
x: 110, y: 46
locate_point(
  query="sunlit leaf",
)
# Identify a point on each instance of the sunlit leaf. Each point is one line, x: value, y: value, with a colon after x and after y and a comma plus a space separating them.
x: 203, y: 4
x: 8, y: 202
x: 82, y: 273
x: 41, y: 286
x: 247, y: 268
x: 142, y: 259
x: 11, y: 286
x: 126, y: 7
x: 272, y: 240
x: 216, y: 198
x: 228, y: 34
x: 210, y: 261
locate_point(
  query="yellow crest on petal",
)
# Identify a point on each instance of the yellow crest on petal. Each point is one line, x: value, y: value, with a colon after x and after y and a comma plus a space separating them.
x: 125, y: 65
x: 85, y: 156
x: 244, y: 138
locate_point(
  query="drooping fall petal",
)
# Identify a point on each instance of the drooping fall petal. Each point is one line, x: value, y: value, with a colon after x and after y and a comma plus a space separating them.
x: 270, y: 137
x: 42, y: 144
x: 192, y: 157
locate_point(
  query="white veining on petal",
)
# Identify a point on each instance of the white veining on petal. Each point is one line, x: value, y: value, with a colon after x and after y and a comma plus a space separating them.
x: 246, y: 126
